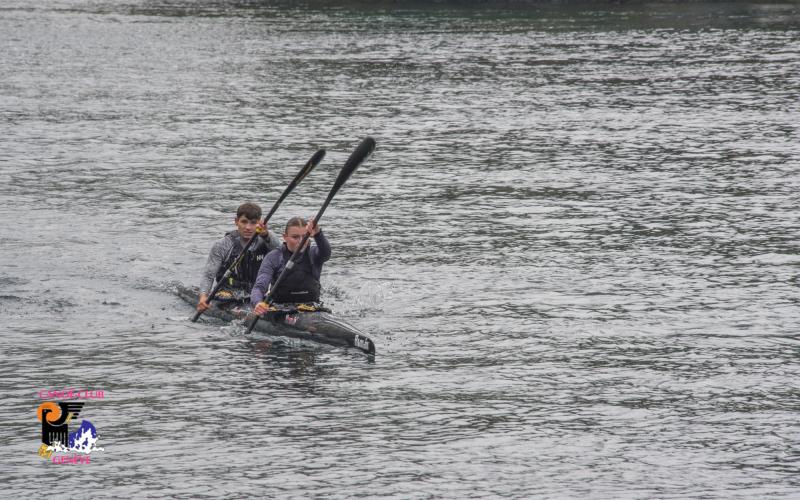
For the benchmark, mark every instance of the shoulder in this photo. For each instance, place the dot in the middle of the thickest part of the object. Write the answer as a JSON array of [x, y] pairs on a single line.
[[272, 240], [222, 244], [268, 239], [266, 242], [274, 256], [228, 238]]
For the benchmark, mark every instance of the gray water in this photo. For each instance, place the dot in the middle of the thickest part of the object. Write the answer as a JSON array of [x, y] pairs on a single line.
[[576, 248]]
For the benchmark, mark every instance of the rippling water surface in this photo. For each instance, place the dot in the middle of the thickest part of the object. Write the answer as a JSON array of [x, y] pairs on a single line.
[[576, 247]]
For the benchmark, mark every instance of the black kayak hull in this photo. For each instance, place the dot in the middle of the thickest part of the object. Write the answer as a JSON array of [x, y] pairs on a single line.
[[315, 326]]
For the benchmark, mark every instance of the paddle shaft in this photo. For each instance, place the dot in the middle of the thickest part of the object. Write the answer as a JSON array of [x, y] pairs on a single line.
[[307, 168]]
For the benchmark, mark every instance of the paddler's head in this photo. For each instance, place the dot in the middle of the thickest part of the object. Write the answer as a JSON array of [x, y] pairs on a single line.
[[248, 216], [294, 232]]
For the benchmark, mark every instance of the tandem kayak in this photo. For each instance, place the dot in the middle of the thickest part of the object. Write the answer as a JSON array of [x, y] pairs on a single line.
[[317, 326]]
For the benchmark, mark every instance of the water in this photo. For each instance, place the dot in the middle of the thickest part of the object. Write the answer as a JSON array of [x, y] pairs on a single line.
[[576, 247]]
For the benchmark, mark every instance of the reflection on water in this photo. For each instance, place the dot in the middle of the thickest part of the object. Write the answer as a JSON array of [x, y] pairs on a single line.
[[575, 245]]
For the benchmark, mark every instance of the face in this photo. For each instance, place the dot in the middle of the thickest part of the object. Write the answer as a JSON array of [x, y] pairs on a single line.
[[292, 237], [246, 227]]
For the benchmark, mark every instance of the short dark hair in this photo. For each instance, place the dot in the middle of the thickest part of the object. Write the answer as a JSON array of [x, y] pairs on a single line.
[[294, 222], [249, 210]]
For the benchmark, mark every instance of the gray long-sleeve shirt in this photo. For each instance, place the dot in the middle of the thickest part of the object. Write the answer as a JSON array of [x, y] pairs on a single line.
[[222, 250]]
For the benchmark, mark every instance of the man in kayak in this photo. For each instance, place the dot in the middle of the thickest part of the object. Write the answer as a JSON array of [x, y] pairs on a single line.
[[227, 249], [301, 285]]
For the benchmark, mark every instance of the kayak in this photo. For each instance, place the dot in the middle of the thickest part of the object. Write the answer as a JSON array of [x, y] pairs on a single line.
[[318, 326]]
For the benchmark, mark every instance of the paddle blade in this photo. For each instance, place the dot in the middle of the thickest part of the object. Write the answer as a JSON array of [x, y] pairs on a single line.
[[357, 157], [307, 168], [313, 162], [251, 323]]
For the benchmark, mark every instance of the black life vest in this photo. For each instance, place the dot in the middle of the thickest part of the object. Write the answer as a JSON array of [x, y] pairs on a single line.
[[299, 285], [244, 275]]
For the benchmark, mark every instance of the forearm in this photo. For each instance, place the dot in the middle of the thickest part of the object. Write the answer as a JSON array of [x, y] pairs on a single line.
[[323, 252], [256, 295], [210, 272], [262, 282]]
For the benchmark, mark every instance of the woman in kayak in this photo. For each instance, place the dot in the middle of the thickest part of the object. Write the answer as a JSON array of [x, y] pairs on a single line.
[[301, 285], [226, 250]]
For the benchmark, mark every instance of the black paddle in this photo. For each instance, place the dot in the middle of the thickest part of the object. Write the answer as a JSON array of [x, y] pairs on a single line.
[[307, 168], [357, 157]]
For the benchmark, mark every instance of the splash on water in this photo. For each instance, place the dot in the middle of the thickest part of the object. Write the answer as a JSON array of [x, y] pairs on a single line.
[[83, 440]]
